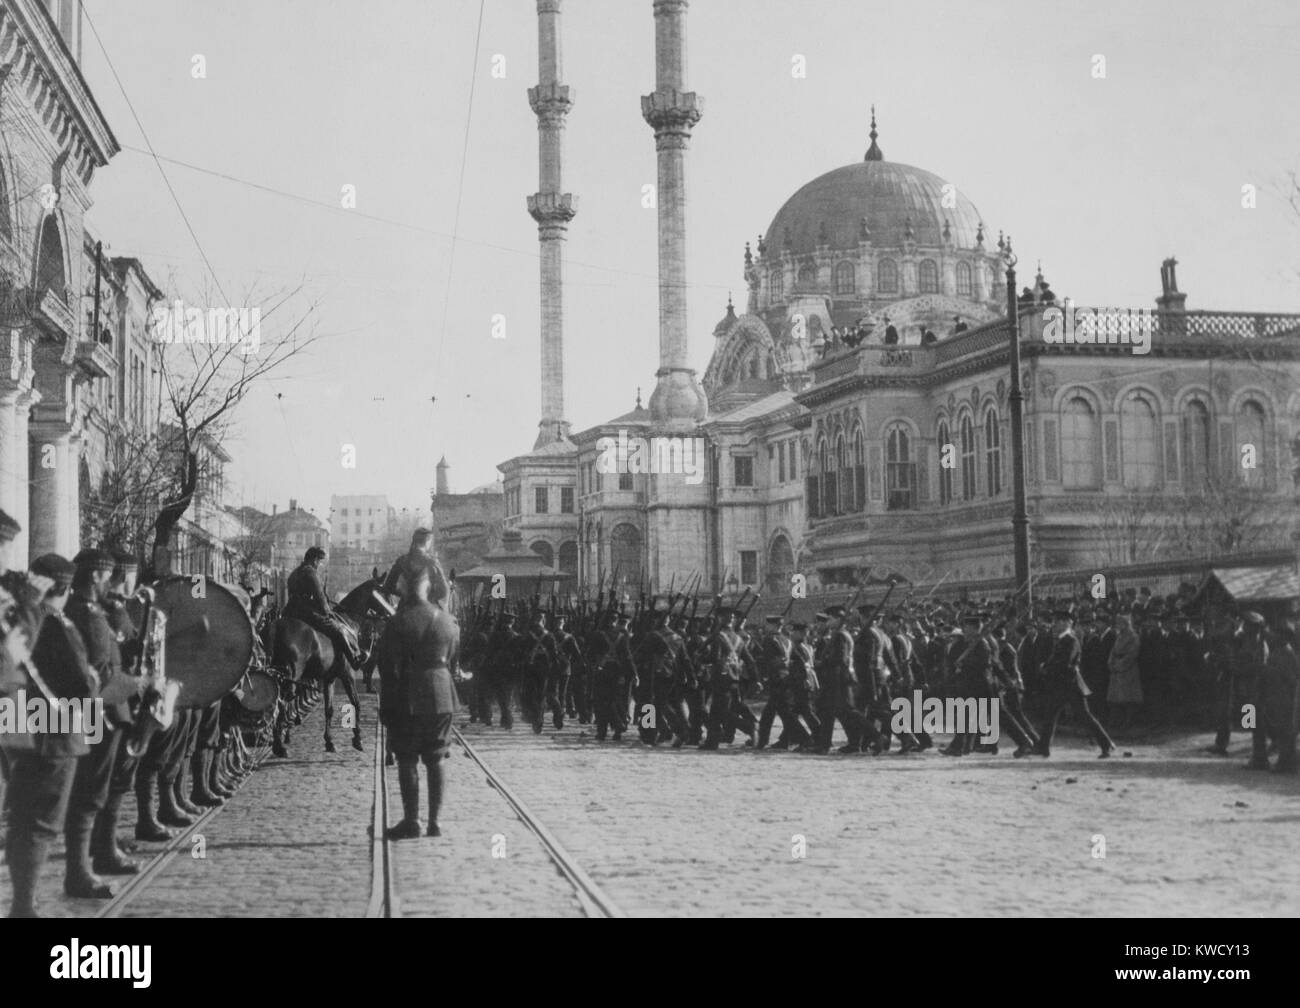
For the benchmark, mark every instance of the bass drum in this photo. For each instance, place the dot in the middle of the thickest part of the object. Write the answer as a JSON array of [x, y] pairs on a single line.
[[210, 639], [258, 692]]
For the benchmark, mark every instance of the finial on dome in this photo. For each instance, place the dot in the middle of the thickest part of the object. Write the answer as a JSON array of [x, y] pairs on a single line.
[[638, 397], [1002, 242], [1039, 277], [873, 152], [864, 232], [947, 230], [823, 236], [907, 231], [979, 235], [731, 308], [762, 246], [749, 256]]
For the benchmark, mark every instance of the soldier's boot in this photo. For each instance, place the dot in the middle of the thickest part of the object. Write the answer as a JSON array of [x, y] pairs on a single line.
[[181, 793], [170, 813], [220, 779], [25, 862], [79, 881], [408, 779], [107, 857], [435, 797], [201, 793], [147, 826]]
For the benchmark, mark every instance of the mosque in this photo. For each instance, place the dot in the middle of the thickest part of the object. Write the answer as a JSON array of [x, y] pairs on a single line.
[[855, 412]]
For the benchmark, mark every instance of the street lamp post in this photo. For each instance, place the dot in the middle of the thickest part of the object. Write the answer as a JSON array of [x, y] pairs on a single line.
[[1019, 515]]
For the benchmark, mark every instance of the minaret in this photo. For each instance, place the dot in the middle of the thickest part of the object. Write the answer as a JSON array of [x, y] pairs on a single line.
[[440, 484], [552, 209], [678, 400]]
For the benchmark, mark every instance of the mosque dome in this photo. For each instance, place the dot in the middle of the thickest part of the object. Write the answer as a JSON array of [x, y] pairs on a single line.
[[889, 196]]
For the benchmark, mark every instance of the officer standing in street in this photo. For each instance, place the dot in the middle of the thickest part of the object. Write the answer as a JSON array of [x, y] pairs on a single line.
[[1066, 687], [417, 660]]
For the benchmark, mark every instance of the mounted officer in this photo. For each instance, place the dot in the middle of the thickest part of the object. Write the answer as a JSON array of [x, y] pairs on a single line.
[[419, 556], [308, 604]]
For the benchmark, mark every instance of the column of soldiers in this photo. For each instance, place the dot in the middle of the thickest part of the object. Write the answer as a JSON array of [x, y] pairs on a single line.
[[686, 679], [70, 634]]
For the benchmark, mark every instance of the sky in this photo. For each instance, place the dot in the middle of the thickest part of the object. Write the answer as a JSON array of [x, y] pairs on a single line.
[[1100, 178]]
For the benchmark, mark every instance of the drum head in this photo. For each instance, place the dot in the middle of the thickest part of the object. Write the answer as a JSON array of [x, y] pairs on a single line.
[[261, 691], [209, 644]]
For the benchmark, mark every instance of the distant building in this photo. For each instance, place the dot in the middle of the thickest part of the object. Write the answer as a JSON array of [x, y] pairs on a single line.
[[465, 526]]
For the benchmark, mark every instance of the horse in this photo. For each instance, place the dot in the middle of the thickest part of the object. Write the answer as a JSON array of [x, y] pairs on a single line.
[[305, 657]]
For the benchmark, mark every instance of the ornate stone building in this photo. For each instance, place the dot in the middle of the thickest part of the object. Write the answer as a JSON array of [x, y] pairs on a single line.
[[855, 415]]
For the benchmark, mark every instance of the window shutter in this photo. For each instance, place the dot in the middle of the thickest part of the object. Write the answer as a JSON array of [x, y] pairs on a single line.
[[873, 472], [1171, 451], [923, 472], [1111, 437], [1051, 463]]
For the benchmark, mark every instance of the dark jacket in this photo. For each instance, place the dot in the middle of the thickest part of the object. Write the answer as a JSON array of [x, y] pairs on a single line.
[[60, 657], [417, 658]]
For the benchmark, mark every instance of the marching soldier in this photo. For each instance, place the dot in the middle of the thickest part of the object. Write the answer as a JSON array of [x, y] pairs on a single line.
[[417, 699], [572, 671], [499, 669], [1249, 663], [660, 668], [905, 676], [970, 660], [611, 662], [776, 657], [803, 688], [835, 673], [40, 780], [726, 668], [1065, 687], [696, 688]]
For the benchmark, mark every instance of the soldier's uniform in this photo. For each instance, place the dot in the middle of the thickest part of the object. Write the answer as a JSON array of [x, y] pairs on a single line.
[[90, 786], [611, 678], [774, 663], [970, 660], [1249, 664], [418, 654], [803, 686], [839, 682], [660, 670], [572, 672], [726, 668], [1066, 688], [539, 678], [408, 563], [40, 778], [307, 603], [498, 670]]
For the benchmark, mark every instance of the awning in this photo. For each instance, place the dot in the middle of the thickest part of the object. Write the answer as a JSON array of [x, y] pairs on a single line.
[[1259, 584]]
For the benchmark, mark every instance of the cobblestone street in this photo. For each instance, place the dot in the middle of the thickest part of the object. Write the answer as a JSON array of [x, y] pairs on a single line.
[[735, 832]]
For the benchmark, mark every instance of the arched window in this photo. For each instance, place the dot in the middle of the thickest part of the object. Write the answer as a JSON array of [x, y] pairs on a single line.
[[843, 477], [625, 554], [900, 471], [846, 278], [569, 557], [807, 276], [1079, 443], [50, 274], [945, 473], [887, 277], [964, 286], [928, 277], [780, 565], [543, 549], [776, 285], [1139, 443], [967, 458], [992, 453], [1250, 442], [859, 471], [1196, 444]]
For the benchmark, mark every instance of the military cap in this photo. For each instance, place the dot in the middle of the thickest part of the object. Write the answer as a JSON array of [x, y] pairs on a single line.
[[559, 617], [507, 618], [126, 561], [822, 617], [56, 568], [662, 606], [312, 553], [835, 611], [773, 620], [93, 559], [8, 528], [1250, 616], [972, 616], [866, 610], [796, 625]]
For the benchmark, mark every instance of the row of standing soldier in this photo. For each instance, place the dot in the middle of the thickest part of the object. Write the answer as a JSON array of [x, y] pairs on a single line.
[[74, 622], [677, 676]]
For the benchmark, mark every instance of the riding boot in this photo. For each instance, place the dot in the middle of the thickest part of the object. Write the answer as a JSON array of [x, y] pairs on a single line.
[[147, 826], [201, 793], [107, 858], [170, 812], [182, 800], [25, 860], [408, 779], [79, 881], [435, 797], [219, 780]]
